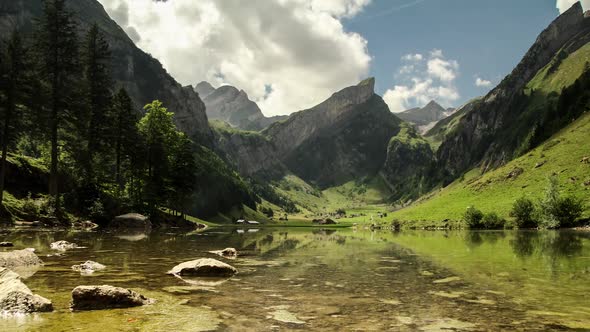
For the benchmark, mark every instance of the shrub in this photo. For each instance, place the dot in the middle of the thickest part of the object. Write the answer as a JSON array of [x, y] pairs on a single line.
[[523, 211], [96, 210], [492, 221], [30, 207], [547, 213], [473, 217], [568, 210]]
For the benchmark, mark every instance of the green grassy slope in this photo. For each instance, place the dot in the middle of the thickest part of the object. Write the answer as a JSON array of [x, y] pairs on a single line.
[[495, 191]]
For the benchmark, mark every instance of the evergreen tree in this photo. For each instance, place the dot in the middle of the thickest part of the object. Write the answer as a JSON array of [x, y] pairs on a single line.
[[125, 135], [15, 86], [57, 46], [182, 173], [97, 109]]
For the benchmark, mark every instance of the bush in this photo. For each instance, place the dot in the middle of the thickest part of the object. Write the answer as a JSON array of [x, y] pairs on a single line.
[[473, 217], [492, 221], [523, 211], [556, 211], [96, 210], [568, 210], [30, 207]]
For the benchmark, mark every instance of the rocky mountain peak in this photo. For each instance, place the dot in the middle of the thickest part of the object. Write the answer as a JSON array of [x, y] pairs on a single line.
[[204, 89]]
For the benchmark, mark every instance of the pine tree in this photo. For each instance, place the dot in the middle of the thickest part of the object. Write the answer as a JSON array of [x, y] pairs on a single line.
[[125, 134], [15, 87], [57, 46], [182, 173], [97, 109]]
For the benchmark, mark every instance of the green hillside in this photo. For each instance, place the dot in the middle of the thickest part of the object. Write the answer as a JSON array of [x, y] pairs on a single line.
[[497, 190]]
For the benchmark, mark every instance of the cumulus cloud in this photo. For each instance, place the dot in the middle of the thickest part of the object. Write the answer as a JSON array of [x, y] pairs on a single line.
[[424, 78], [482, 83], [564, 5], [286, 54]]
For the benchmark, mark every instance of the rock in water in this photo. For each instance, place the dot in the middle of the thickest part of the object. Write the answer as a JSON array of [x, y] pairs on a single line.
[[6, 244], [131, 221], [63, 245], [204, 267], [227, 253], [19, 258], [16, 297], [88, 267], [106, 297]]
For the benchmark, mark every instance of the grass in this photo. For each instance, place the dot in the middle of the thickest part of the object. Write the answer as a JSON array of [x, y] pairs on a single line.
[[495, 191]]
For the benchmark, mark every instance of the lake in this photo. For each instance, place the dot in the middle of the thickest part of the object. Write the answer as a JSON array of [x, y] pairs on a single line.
[[321, 279]]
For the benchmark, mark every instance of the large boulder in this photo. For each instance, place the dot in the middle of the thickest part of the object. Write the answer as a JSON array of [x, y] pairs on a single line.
[[19, 258], [131, 221], [16, 297], [204, 267], [88, 267], [106, 297]]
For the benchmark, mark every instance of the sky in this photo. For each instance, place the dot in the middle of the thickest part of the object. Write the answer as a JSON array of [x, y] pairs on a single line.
[[290, 55]]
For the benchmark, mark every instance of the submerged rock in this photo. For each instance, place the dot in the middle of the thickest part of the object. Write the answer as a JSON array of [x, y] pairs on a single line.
[[204, 267], [227, 253], [106, 297], [19, 258], [88, 267], [63, 245], [16, 297], [6, 244], [131, 221]]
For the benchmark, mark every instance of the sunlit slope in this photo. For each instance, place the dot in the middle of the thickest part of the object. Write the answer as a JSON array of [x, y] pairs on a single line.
[[496, 190]]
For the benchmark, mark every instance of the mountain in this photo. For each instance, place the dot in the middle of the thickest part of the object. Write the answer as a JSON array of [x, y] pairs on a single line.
[[432, 112], [533, 125], [342, 139], [143, 76], [233, 106], [511, 118]]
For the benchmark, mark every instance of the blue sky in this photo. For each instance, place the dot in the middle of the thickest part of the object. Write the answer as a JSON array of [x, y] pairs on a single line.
[[486, 38]]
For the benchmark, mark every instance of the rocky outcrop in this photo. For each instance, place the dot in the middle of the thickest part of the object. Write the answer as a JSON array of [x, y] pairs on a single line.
[[17, 298], [106, 297], [408, 163], [143, 76], [204, 267], [63, 245], [133, 221], [233, 106], [19, 258], [341, 139], [491, 132], [230, 253], [88, 267], [6, 244]]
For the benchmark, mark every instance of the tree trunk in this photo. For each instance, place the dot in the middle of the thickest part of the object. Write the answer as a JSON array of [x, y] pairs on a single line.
[[5, 139], [53, 181]]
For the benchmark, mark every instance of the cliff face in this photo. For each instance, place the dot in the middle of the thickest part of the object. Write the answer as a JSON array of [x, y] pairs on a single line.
[[233, 106], [143, 76], [249, 152], [491, 132], [341, 139], [408, 164]]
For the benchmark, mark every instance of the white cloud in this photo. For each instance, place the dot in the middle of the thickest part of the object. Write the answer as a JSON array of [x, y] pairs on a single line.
[[564, 5], [298, 48], [423, 80], [482, 83], [413, 57]]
